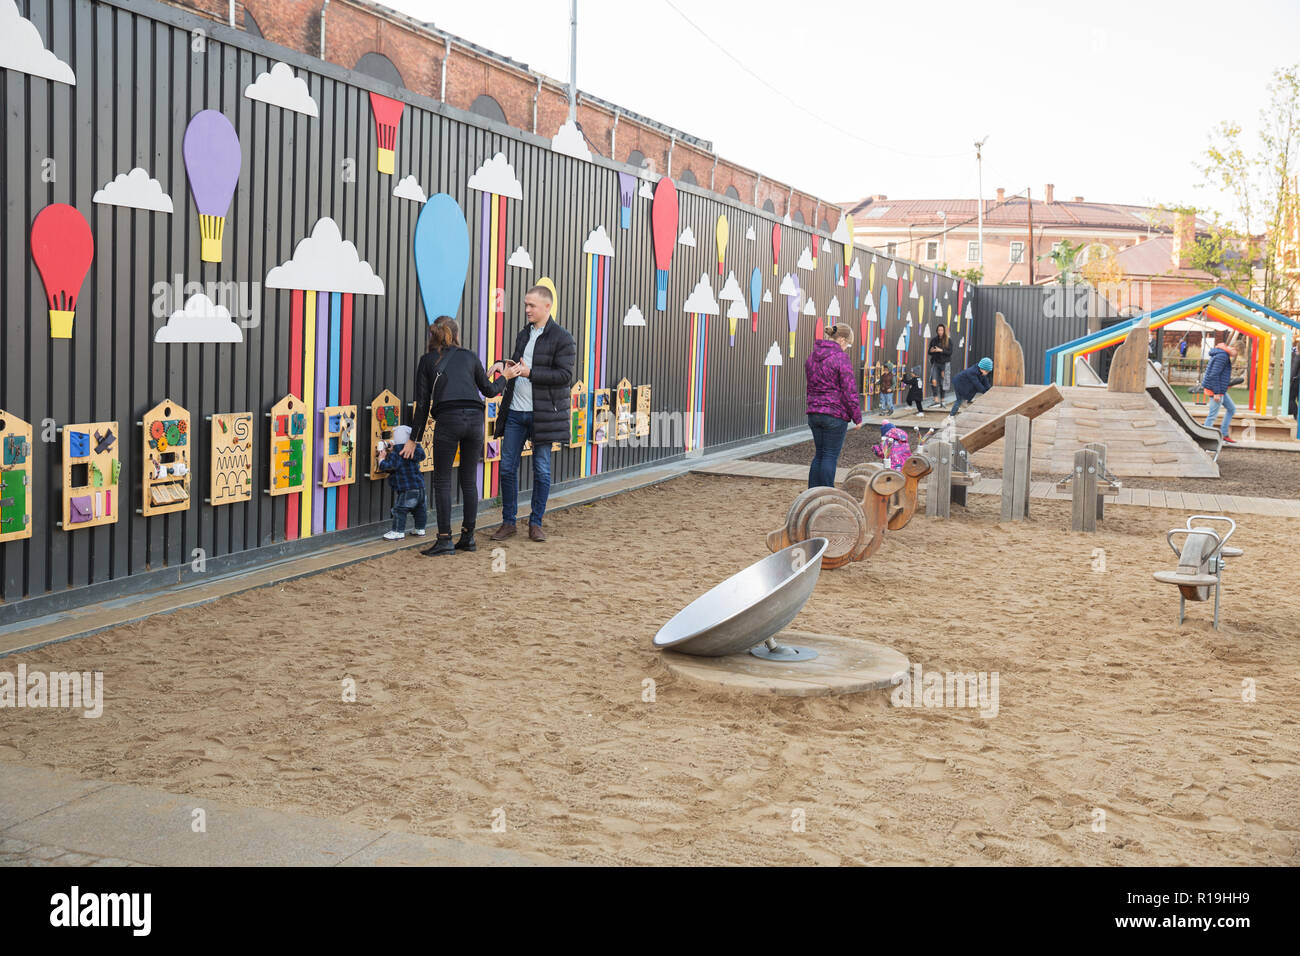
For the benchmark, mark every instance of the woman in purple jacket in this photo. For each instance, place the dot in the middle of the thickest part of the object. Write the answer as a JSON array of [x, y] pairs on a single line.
[[833, 402]]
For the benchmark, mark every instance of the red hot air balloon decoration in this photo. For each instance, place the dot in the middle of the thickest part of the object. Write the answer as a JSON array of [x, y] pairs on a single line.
[[388, 113], [62, 248], [663, 221], [212, 160], [776, 246]]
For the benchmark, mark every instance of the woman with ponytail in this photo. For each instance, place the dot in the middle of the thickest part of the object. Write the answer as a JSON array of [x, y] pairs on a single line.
[[450, 381]]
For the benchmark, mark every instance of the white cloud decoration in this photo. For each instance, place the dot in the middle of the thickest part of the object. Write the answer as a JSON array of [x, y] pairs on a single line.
[[805, 260], [647, 190], [598, 243], [701, 300], [833, 310], [136, 190], [687, 238], [570, 141], [520, 259], [809, 307], [855, 270], [634, 317], [737, 310], [788, 288], [767, 295], [773, 355], [731, 291], [22, 49], [280, 87], [201, 320], [750, 234], [841, 233], [409, 188], [325, 262], [497, 176]]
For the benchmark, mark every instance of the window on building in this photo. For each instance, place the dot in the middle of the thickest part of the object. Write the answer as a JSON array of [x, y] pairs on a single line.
[[973, 251], [825, 226], [636, 158], [1017, 252], [1015, 282], [931, 251], [250, 25], [891, 248], [797, 218], [687, 177], [769, 206], [731, 192], [486, 106], [380, 67]]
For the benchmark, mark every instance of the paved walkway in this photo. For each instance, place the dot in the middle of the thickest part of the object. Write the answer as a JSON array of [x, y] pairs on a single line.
[[1148, 498], [49, 818]]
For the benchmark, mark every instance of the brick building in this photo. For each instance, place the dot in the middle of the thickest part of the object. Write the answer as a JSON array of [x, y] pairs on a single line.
[[398, 49], [1151, 245]]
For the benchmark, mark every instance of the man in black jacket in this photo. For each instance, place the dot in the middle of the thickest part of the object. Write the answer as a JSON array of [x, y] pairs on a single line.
[[536, 406]]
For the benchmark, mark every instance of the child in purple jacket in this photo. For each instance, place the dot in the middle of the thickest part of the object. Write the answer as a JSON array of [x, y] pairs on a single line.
[[833, 402]]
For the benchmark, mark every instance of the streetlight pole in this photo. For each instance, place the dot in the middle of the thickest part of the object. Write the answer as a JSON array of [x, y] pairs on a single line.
[[573, 61], [979, 165]]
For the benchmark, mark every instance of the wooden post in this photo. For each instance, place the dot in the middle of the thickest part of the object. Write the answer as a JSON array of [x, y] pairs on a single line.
[[1016, 466], [1100, 449], [1083, 491], [938, 488], [960, 463]]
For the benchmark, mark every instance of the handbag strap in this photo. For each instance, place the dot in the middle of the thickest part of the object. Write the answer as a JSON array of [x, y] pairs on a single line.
[[437, 376]]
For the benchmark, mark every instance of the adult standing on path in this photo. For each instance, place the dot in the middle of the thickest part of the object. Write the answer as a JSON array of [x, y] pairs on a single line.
[[450, 382], [833, 402], [536, 405], [940, 356]]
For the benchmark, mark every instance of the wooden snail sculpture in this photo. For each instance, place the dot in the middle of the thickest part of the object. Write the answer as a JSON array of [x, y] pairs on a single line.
[[854, 517]]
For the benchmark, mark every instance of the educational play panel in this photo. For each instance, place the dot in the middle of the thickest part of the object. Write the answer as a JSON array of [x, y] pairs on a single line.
[[642, 410], [623, 411], [166, 465], [288, 434], [385, 415], [15, 478], [600, 416], [90, 474], [491, 446], [578, 415], [339, 434], [232, 458]]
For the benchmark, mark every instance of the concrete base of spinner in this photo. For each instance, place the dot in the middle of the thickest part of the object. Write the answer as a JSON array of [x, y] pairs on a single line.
[[843, 666]]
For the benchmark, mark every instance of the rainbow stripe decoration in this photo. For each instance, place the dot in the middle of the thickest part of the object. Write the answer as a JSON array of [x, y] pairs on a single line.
[[595, 338], [700, 304], [773, 365], [323, 274], [496, 180]]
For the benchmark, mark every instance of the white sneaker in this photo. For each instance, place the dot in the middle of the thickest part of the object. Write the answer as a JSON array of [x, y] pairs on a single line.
[[920, 414], [394, 536], [419, 533]]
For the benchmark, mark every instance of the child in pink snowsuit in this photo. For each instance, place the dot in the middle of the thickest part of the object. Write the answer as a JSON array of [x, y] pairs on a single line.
[[893, 447]]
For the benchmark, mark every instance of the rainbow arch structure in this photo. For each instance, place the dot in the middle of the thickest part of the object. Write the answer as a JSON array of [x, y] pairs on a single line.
[[1258, 323]]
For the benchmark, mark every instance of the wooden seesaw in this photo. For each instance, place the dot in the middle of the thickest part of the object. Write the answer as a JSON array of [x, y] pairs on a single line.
[[854, 517]]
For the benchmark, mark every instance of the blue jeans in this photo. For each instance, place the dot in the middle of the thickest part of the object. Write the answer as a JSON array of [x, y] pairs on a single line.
[[956, 403], [1213, 412], [519, 428], [828, 438], [409, 501], [887, 401]]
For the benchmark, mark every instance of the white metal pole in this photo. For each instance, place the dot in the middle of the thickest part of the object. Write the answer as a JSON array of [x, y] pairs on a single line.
[[573, 62], [979, 165]]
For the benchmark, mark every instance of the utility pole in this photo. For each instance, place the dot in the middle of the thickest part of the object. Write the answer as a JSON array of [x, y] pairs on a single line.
[[979, 165], [943, 214], [573, 62], [1029, 196]]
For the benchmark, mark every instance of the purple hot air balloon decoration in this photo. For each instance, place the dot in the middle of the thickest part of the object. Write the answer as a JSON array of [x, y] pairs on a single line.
[[626, 190], [212, 160], [792, 309]]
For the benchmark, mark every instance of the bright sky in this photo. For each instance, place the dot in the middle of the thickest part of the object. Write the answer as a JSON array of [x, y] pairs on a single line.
[[1109, 99]]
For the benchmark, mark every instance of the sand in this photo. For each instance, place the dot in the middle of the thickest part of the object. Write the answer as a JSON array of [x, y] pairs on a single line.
[[524, 690]]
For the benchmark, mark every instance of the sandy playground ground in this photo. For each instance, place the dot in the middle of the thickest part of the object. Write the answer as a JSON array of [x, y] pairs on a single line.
[[523, 690]]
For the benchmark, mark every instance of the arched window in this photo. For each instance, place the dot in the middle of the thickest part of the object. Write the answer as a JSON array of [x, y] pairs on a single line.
[[636, 158], [797, 218], [486, 106], [732, 193], [769, 207], [380, 67], [687, 177], [250, 25], [825, 226]]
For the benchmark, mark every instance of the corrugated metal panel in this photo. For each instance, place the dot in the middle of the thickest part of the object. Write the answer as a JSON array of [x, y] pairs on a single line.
[[140, 80], [1041, 316]]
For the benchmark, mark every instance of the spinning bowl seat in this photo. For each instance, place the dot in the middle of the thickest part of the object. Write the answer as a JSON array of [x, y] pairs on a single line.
[[748, 607]]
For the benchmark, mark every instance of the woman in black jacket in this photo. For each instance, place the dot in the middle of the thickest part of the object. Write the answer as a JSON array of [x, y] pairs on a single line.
[[451, 381], [940, 356]]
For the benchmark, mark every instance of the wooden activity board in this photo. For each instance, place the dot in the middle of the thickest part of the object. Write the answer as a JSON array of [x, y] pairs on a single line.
[[288, 446], [165, 469], [385, 415], [642, 411], [339, 436], [91, 469], [15, 477], [600, 416], [232, 458], [491, 446], [578, 415], [623, 411]]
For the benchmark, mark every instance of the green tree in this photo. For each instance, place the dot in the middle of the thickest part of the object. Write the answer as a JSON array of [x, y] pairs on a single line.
[[1244, 249], [1064, 255]]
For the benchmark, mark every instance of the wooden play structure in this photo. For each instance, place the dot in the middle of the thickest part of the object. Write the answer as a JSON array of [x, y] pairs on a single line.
[[339, 434], [166, 463], [1090, 484], [642, 411], [15, 478], [854, 517], [288, 440], [231, 465], [578, 415], [623, 411], [1201, 561], [385, 415], [91, 469], [600, 416]]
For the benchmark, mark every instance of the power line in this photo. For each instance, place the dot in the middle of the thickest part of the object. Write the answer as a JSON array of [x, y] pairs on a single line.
[[799, 106]]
